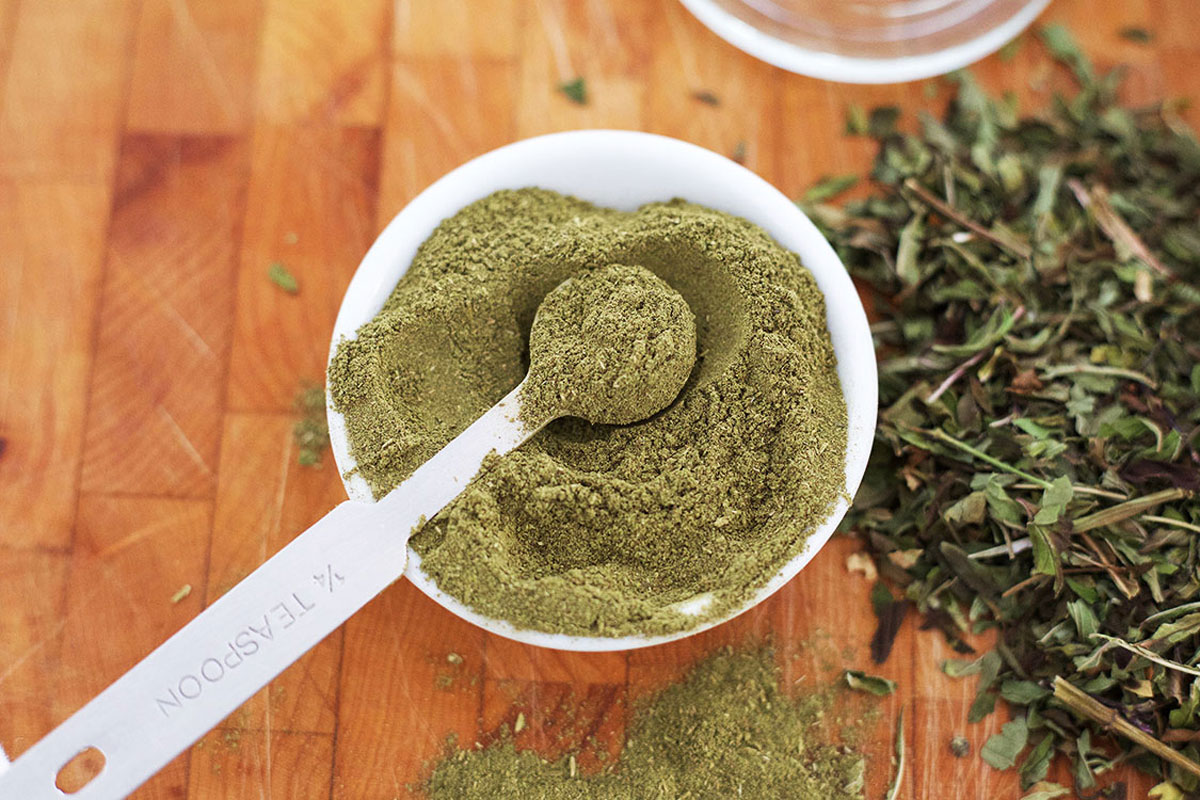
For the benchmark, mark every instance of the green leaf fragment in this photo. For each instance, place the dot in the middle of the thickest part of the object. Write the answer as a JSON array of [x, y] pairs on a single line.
[[856, 120], [1137, 35], [872, 684], [1002, 749], [575, 90], [1046, 791], [830, 187], [281, 277], [1035, 766]]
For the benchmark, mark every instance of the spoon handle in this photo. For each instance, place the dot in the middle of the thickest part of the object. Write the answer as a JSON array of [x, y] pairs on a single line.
[[257, 629]]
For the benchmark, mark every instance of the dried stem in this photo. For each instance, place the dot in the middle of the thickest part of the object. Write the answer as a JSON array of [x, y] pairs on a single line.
[[938, 433], [954, 376], [1080, 490], [1089, 707], [1130, 508], [1050, 373], [1148, 654], [1020, 249], [1175, 523], [1115, 226]]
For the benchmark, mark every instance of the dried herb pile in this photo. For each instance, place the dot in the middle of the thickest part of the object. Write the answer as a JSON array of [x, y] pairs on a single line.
[[1039, 336], [726, 731]]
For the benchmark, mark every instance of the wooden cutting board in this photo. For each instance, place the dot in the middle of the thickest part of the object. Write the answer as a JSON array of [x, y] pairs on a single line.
[[157, 155]]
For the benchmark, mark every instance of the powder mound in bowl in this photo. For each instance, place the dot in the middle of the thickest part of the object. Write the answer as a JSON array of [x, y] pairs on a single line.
[[598, 529], [614, 345]]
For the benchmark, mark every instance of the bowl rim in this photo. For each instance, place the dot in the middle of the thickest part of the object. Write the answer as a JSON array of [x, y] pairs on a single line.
[[852, 69], [587, 150]]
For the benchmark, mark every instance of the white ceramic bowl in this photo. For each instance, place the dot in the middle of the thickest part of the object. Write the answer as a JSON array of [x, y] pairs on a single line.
[[622, 169]]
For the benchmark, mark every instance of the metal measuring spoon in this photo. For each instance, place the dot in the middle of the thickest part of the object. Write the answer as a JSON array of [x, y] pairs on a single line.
[[305, 591]]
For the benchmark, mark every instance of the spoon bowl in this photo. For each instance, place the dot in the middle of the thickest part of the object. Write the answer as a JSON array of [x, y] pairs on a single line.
[[623, 170]]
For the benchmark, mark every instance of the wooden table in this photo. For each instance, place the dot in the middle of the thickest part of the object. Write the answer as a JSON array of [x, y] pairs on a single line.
[[157, 155]]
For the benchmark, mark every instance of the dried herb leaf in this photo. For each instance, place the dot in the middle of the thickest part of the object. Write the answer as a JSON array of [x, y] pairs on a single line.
[[856, 120], [575, 90], [830, 187], [1046, 791], [890, 614], [1035, 766], [1138, 35], [872, 684], [1001, 749], [281, 277]]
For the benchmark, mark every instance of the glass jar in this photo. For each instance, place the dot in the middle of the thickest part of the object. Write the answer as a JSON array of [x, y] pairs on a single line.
[[867, 41]]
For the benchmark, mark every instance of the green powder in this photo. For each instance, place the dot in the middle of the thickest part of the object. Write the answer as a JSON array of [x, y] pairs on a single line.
[[613, 345], [595, 529], [726, 731]]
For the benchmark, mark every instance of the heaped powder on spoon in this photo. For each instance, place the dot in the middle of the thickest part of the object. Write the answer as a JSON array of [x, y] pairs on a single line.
[[597, 529], [613, 345]]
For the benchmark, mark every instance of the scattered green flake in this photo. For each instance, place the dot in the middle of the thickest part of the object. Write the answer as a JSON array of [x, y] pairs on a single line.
[[1136, 34], [183, 592], [726, 730], [739, 152], [1009, 51], [863, 682], [960, 747], [856, 120], [311, 430], [575, 90], [280, 276], [829, 187], [882, 120]]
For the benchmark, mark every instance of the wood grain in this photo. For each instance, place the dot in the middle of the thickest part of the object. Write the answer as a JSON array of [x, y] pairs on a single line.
[[411, 677], [49, 282], [156, 156], [311, 207], [681, 63], [425, 136], [32, 597], [65, 88], [194, 67], [162, 347], [606, 42], [323, 62]]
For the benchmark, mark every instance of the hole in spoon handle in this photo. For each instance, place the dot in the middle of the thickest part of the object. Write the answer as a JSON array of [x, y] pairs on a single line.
[[81, 770]]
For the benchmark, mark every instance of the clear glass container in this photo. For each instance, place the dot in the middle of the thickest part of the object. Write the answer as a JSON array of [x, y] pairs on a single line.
[[867, 41]]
